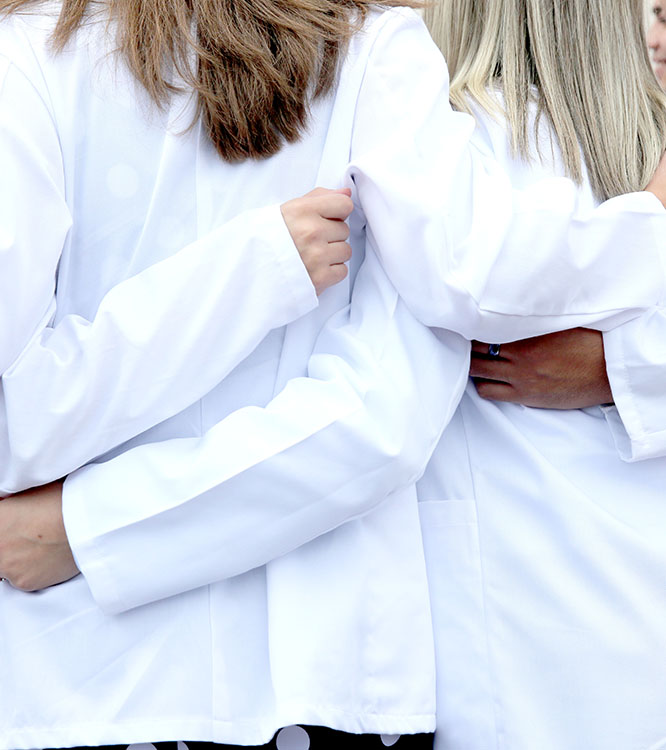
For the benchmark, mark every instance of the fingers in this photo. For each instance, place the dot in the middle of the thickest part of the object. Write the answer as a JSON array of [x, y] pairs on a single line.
[[492, 374], [494, 391], [325, 191], [338, 252], [330, 204], [328, 275], [482, 349], [490, 369], [479, 347], [317, 227], [311, 232], [319, 217], [333, 205], [338, 272], [334, 230], [331, 269]]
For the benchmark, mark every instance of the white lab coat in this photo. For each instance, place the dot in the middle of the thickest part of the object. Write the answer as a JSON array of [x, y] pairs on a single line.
[[546, 555], [178, 359], [636, 362]]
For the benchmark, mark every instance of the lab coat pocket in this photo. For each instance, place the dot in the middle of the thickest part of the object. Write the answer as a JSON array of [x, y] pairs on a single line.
[[465, 702]]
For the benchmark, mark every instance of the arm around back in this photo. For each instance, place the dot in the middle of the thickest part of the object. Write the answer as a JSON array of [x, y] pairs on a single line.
[[330, 447], [466, 250]]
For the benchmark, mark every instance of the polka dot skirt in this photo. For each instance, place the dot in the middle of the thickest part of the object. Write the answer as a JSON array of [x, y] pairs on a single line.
[[299, 738]]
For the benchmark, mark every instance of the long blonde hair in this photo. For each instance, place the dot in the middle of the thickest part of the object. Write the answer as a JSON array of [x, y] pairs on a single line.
[[583, 61], [254, 65]]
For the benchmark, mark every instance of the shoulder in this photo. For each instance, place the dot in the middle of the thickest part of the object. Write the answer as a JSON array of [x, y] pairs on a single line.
[[24, 35], [60, 80], [24, 49], [395, 45], [25, 41], [491, 130], [401, 30], [399, 27], [492, 136], [385, 20]]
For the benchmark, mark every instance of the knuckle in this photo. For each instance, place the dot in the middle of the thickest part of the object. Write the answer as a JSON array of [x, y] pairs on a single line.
[[292, 208], [315, 272], [482, 390], [342, 206], [333, 275], [328, 230], [330, 253], [318, 280], [339, 272], [319, 254], [16, 577], [312, 232], [23, 583]]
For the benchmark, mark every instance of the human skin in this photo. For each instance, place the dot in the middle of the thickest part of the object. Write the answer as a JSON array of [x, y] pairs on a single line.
[[656, 40], [34, 552], [563, 370]]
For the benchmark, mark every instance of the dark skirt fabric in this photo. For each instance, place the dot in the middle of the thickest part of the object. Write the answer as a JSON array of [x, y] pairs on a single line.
[[298, 738]]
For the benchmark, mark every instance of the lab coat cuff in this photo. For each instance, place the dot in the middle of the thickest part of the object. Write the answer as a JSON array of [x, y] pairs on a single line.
[[633, 440], [95, 567], [645, 202], [299, 291], [632, 448]]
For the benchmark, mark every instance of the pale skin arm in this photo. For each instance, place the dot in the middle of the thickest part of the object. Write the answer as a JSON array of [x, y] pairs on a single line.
[[34, 551], [564, 370]]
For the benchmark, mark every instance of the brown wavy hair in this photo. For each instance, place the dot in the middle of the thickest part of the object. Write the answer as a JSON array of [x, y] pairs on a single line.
[[254, 65]]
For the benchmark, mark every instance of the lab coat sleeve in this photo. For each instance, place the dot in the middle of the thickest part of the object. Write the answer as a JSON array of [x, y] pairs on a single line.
[[158, 341], [34, 218], [167, 517], [636, 365], [158, 334], [467, 251]]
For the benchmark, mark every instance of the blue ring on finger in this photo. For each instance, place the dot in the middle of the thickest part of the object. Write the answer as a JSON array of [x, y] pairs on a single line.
[[494, 350]]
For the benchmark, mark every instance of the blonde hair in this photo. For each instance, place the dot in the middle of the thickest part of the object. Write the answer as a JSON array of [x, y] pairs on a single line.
[[254, 65], [584, 63]]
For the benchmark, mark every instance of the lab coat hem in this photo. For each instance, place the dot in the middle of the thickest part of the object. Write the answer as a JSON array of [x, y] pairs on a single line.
[[250, 731]]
